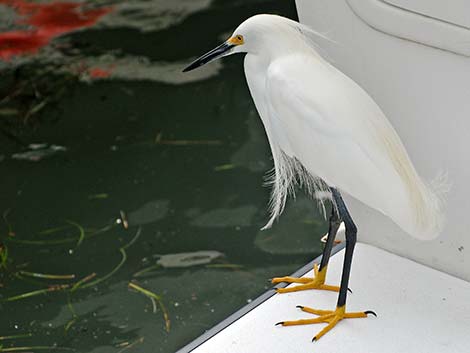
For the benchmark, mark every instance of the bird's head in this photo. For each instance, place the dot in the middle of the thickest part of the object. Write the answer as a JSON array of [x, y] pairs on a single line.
[[260, 33]]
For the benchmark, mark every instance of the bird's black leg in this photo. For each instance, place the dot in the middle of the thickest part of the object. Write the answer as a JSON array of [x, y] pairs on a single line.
[[318, 281], [351, 236], [332, 317], [334, 224]]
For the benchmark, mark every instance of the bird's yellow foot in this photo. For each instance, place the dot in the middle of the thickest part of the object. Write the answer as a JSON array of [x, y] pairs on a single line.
[[330, 317], [316, 282]]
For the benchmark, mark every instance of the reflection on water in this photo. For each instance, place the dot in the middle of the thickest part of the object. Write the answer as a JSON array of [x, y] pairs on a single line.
[[148, 213], [150, 16], [157, 169], [139, 68], [35, 25], [225, 217]]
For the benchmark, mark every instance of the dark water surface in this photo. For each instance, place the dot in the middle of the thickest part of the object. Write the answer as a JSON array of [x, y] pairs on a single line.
[[178, 160]]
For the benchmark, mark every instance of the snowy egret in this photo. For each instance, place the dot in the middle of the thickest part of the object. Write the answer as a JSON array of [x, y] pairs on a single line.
[[328, 135]]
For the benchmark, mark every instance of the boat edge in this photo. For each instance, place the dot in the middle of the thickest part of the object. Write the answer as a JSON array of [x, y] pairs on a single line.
[[252, 305]]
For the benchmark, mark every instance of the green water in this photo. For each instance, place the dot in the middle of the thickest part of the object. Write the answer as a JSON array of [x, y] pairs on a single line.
[[182, 158]]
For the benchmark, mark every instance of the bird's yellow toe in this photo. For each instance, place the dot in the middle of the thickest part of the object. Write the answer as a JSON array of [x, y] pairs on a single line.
[[329, 317], [316, 282]]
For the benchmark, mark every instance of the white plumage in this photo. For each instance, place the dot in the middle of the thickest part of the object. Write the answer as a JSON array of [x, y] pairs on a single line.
[[325, 129], [328, 135]]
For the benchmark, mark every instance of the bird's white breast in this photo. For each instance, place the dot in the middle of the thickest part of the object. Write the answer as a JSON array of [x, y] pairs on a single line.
[[256, 69]]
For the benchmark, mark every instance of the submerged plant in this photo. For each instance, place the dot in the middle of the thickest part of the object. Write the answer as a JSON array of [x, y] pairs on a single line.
[[155, 299], [3, 256]]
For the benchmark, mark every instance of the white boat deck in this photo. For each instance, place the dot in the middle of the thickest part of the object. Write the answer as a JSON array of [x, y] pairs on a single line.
[[419, 310]]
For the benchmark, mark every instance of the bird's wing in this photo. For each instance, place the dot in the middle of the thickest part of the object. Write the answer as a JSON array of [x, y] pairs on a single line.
[[325, 121], [339, 133]]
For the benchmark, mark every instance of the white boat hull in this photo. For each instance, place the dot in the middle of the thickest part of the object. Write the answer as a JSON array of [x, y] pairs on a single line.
[[417, 68]]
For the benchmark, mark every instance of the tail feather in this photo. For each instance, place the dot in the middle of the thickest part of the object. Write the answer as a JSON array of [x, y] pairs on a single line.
[[424, 218], [429, 207]]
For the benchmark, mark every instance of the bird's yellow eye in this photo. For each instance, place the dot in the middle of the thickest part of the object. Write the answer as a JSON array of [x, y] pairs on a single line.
[[236, 40]]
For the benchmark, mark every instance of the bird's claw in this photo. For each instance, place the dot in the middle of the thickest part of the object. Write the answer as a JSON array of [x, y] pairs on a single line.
[[367, 312], [330, 317]]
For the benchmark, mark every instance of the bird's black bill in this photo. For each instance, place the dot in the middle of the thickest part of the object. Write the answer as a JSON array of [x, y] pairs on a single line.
[[215, 53]]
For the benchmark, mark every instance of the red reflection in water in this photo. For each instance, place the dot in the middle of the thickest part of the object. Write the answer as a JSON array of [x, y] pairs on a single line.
[[20, 42], [49, 21], [97, 72]]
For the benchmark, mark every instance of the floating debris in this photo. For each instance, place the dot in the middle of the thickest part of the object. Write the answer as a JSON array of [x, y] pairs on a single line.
[[188, 259], [72, 311], [98, 196], [128, 345], [72, 286], [81, 235], [45, 275], [38, 154], [36, 108], [158, 299], [154, 305], [42, 242], [53, 230], [123, 219], [82, 281], [160, 141], [35, 293], [222, 167], [70, 324], [14, 337], [37, 146]]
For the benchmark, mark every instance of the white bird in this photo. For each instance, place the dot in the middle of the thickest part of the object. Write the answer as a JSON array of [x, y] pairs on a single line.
[[327, 134]]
